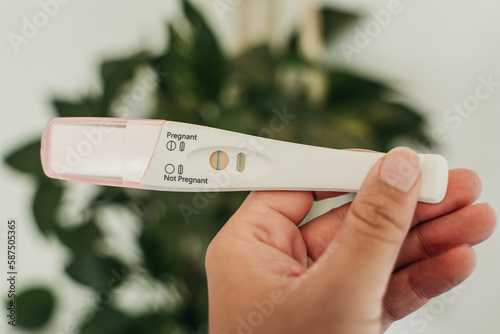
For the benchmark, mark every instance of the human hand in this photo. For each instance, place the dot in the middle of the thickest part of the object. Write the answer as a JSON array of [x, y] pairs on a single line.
[[356, 268]]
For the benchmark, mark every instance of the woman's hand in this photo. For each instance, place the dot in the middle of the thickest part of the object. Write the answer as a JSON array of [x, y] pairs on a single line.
[[354, 269]]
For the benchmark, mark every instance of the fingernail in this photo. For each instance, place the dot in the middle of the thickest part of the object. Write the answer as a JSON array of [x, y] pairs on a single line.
[[400, 168]]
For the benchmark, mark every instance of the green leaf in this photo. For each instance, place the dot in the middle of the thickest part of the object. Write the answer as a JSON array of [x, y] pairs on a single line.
[[391, 120], [86, 107], [99, 273], [26, 159], [34, 307], [292, 45], [207, 59], [257, 65], [115, 73], [350, 88], [81, 238], [195, 63], [181, 85], [47, 200], [334, 20], [255, 74], [109, 321], [71, 109], [154, 253], [113, 195]]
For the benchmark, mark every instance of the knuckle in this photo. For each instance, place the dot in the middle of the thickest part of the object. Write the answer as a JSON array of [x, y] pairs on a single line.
[[417, 290], [424, 245], [388, 315], [380, 217]]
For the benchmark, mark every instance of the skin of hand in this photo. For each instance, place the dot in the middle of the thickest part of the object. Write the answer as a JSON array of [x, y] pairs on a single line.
[[354, 269]]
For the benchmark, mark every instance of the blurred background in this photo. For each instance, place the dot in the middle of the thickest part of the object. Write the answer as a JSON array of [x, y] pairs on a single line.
[[370, 74]]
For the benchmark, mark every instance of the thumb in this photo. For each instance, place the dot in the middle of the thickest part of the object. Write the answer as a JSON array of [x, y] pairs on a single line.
[[362, 254]]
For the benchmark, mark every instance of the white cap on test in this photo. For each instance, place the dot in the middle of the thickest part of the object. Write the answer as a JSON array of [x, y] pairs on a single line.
[[107, 151]]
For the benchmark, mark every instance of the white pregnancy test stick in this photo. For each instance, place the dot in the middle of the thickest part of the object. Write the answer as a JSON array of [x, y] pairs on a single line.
[[172, 156]]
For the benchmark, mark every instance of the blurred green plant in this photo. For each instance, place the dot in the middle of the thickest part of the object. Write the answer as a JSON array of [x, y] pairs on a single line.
[[194, 81]]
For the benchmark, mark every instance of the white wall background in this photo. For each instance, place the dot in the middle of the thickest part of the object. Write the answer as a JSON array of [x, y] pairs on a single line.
[[433, 51]]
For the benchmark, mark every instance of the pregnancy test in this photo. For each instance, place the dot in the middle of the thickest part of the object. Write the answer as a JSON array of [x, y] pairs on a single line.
[[173, 156]]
